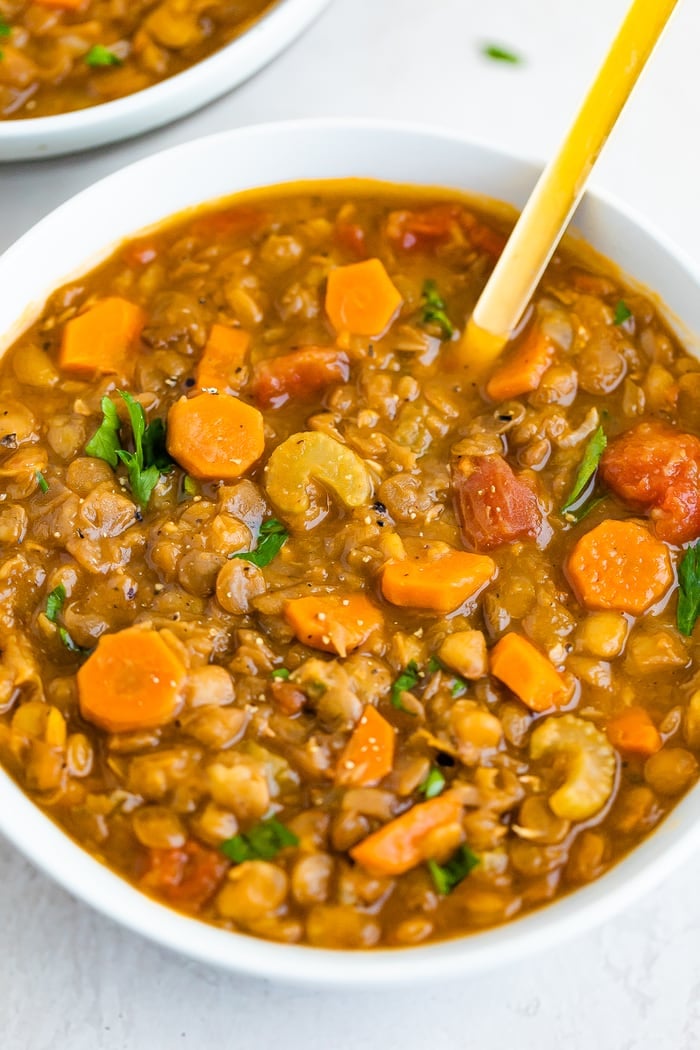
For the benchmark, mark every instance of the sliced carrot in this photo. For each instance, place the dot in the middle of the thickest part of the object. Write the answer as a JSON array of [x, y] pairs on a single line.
[[333, 624], [441, 584], [521, 370], [299, 375], [632, 730], [221, 366], [404, 843], [619, 565], [528, 673], [369, 753], [131, 681], [215, 436], [100, 340], [361, 299]]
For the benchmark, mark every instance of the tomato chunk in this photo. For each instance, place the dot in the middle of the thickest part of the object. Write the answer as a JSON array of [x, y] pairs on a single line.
[[426, 228], [188, 876], [300, 374], [494, 506], [656, 469]]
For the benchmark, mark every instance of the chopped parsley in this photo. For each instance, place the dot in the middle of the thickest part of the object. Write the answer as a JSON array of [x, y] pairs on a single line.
[[281, 674], [622, 313], [406, 681], [446, 876], [148, 460], [99, 55], [434, 309], [589, 465], [458, 684], [189, 486], [42, 482], [433, 784], [54, 604], [501, 54], [263, 842], [271, 539], [689, 590], [5, 27]]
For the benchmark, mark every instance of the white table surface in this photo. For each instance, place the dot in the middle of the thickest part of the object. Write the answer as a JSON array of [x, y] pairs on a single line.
[[69, 979]]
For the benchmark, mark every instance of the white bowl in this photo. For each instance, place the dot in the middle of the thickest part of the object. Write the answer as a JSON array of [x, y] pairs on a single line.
[[85, 229], [82, 129]]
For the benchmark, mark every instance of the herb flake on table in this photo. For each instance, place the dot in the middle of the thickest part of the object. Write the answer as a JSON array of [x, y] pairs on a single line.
[[263, 842], [589, 465], [446, 876], [271, 539], [99, 55], [688, 590], [435, 309], [501, 54]]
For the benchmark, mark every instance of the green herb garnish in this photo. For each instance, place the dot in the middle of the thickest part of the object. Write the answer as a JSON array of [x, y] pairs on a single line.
[[5, 27], [189, 485], [622, 313], [434, 309], [406, 681], [281, 673], [70, 644], [54, 602], [688, 590], [262, 842], [42, 482], [104, 443], [433, 784], [99, 55], [501, 54], [446, 876], [271, 539], [589, 464], [458, 684]]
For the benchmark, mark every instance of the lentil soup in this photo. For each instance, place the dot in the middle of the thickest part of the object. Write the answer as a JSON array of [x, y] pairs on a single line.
[[305, 631], [62, 55]]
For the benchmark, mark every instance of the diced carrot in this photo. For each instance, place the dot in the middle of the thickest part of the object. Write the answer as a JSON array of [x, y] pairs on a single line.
[[221, 366], [441, 584], [523, 367], [369, 753], [361, 299], [619, 565], [187, 875], [68, 5], [494, 505], [215, 436], [100, 340], [633, 731], [333, 624], [131, 681], [299, 375], [404, 843], [528, 673]]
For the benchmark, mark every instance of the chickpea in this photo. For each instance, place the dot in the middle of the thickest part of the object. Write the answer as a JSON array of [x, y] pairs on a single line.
[[311, 877], [237, 584], [209, 686], [341, 926], [253, 891], [158, 828], [602, 634], [671, 770]]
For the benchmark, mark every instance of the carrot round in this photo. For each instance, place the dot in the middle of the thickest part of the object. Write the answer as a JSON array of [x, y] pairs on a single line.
[[333, 624], [441, 584], [404, 843], [619, 565], [521, 370], [215, 436], [361, 299], [633, 731], [221, 366], [131, 681], [528, 673], [369, 753], [100, 340]]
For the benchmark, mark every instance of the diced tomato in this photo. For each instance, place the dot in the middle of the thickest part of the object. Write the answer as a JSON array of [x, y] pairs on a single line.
[[351, 236], [287, 696], [188, 876], [656, 469], [422, 229], [300, 374], [242, 218], [483, 237], [139, 253], [494, 506]]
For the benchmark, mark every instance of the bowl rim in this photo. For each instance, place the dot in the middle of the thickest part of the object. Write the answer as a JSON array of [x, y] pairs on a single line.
[[169, 99], [83, 876]]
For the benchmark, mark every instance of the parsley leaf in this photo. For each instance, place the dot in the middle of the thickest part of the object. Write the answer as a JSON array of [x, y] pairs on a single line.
[[622, 313], [271, 539], [446, 876], [688, 590], [99, 55], [458, 684], [433, 784], [501, 54], [41, 481], [403, 684], [104, 443], [263, 842], [434, 665], [434, 309], [281, 673], [70, 644], [589, 464], [189, 486], [5, 27], [54, 602]]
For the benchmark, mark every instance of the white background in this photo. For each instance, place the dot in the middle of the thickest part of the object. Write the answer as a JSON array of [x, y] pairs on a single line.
[[70, 980]]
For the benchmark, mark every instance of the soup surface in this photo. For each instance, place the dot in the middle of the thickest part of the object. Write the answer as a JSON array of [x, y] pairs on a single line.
[[62, 55], [308, 630]]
